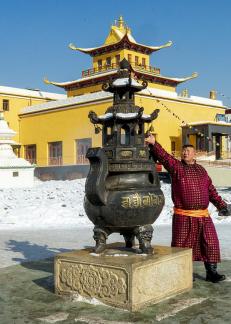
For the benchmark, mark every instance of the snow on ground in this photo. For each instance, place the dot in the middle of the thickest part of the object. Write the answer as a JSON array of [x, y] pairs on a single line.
[[47, 204], [39, 222], [55, 204]]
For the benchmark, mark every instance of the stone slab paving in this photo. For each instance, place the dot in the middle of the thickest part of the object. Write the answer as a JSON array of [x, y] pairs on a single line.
[[26, 296]]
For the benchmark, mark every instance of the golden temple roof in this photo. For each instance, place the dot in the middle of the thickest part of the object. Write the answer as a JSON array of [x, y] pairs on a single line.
[[68, 84], [118, 35]]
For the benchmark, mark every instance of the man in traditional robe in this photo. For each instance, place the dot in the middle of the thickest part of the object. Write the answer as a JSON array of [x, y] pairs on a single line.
[[192, 190]]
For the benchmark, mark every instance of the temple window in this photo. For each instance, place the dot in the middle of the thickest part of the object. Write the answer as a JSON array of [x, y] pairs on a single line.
[[5, 105], [220, 118], [82, 145], [30, 153], [55, 153], [143, 61], [108, 61], [117, 58], [129, 58], [125, 135], [100, 64], [136, 60]]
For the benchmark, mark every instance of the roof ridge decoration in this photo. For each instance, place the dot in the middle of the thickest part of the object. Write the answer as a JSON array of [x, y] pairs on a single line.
[[91, 51], [119, 33], [126, 38], [178, 80], [192, 76], [46, 81]]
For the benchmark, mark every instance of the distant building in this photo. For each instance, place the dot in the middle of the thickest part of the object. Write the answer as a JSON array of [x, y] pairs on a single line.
[[59, 132], [12, 100]]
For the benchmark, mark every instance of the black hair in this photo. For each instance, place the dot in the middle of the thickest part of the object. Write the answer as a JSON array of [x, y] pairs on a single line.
[[187, 145]]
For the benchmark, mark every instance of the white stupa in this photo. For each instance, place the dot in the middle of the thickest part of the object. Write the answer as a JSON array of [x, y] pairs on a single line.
[[14, 171]]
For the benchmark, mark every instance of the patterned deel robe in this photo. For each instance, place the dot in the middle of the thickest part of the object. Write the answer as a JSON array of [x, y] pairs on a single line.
[[192, 189]]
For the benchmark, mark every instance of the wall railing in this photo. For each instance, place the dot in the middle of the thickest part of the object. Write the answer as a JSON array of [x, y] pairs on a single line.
[[55, 160], [81, 159], [115, 66]]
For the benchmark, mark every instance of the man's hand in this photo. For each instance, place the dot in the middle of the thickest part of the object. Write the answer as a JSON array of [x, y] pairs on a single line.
[[226, 211], [150, 139]]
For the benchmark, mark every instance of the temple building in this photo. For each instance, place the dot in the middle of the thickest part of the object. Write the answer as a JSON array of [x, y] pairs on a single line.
[[13, 100], [59, 132]]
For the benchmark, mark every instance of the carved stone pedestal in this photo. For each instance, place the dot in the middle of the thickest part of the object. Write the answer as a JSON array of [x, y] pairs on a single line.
[[121, 278]]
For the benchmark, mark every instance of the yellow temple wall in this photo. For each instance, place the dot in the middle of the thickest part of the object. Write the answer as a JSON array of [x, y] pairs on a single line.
[[16, 103], [63, 125], [72, 124], [84, 90], [123, 54], [104, 56], [161, 87], [126, 52]]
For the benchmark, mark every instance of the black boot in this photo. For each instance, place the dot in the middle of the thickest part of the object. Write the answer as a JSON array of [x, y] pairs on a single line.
[[212, 274]]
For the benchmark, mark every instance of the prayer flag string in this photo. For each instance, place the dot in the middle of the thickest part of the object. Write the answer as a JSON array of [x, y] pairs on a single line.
[[183, 122]]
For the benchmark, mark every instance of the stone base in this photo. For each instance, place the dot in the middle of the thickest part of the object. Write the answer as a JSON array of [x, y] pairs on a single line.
[[119, 277]]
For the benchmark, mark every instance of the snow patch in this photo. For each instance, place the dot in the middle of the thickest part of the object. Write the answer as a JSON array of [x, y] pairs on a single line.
[[92, 301], [179, 306], [54, 318], [117, 255], [94, 254], [87, 320]]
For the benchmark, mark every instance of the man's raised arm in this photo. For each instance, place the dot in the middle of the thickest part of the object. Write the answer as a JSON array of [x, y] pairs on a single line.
[[169, 162]]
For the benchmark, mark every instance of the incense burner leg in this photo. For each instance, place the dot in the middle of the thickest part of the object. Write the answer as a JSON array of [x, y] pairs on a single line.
[[144, 236], [100, 236], [129, 238]]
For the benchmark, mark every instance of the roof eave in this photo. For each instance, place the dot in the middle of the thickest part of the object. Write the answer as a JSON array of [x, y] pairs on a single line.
[[109, 47], [161, 77]]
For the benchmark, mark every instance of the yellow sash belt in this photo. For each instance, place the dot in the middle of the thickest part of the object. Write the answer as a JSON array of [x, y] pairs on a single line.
[[192, 213]]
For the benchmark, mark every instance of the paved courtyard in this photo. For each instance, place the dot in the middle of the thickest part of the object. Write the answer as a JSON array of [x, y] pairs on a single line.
[[27, 289]]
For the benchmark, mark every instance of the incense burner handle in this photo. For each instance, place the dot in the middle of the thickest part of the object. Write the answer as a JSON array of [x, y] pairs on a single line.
[[95, 189]]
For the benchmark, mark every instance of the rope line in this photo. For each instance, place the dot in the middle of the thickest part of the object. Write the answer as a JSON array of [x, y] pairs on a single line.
[[173, 114]]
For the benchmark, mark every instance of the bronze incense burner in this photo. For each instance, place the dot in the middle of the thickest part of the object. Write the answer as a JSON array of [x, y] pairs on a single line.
[[122, 191]]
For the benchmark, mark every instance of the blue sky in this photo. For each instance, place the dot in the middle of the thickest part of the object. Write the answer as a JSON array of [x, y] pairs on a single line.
[[35, 37]]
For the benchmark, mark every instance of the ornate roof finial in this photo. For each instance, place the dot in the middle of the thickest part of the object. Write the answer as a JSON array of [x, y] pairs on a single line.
[[121, 22]]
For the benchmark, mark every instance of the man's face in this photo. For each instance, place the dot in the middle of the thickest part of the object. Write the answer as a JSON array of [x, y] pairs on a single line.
[[188, 155]]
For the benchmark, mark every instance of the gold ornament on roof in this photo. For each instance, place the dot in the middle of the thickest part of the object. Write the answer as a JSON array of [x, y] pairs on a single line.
[[194, 75], [121, 22], [45, 80]]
